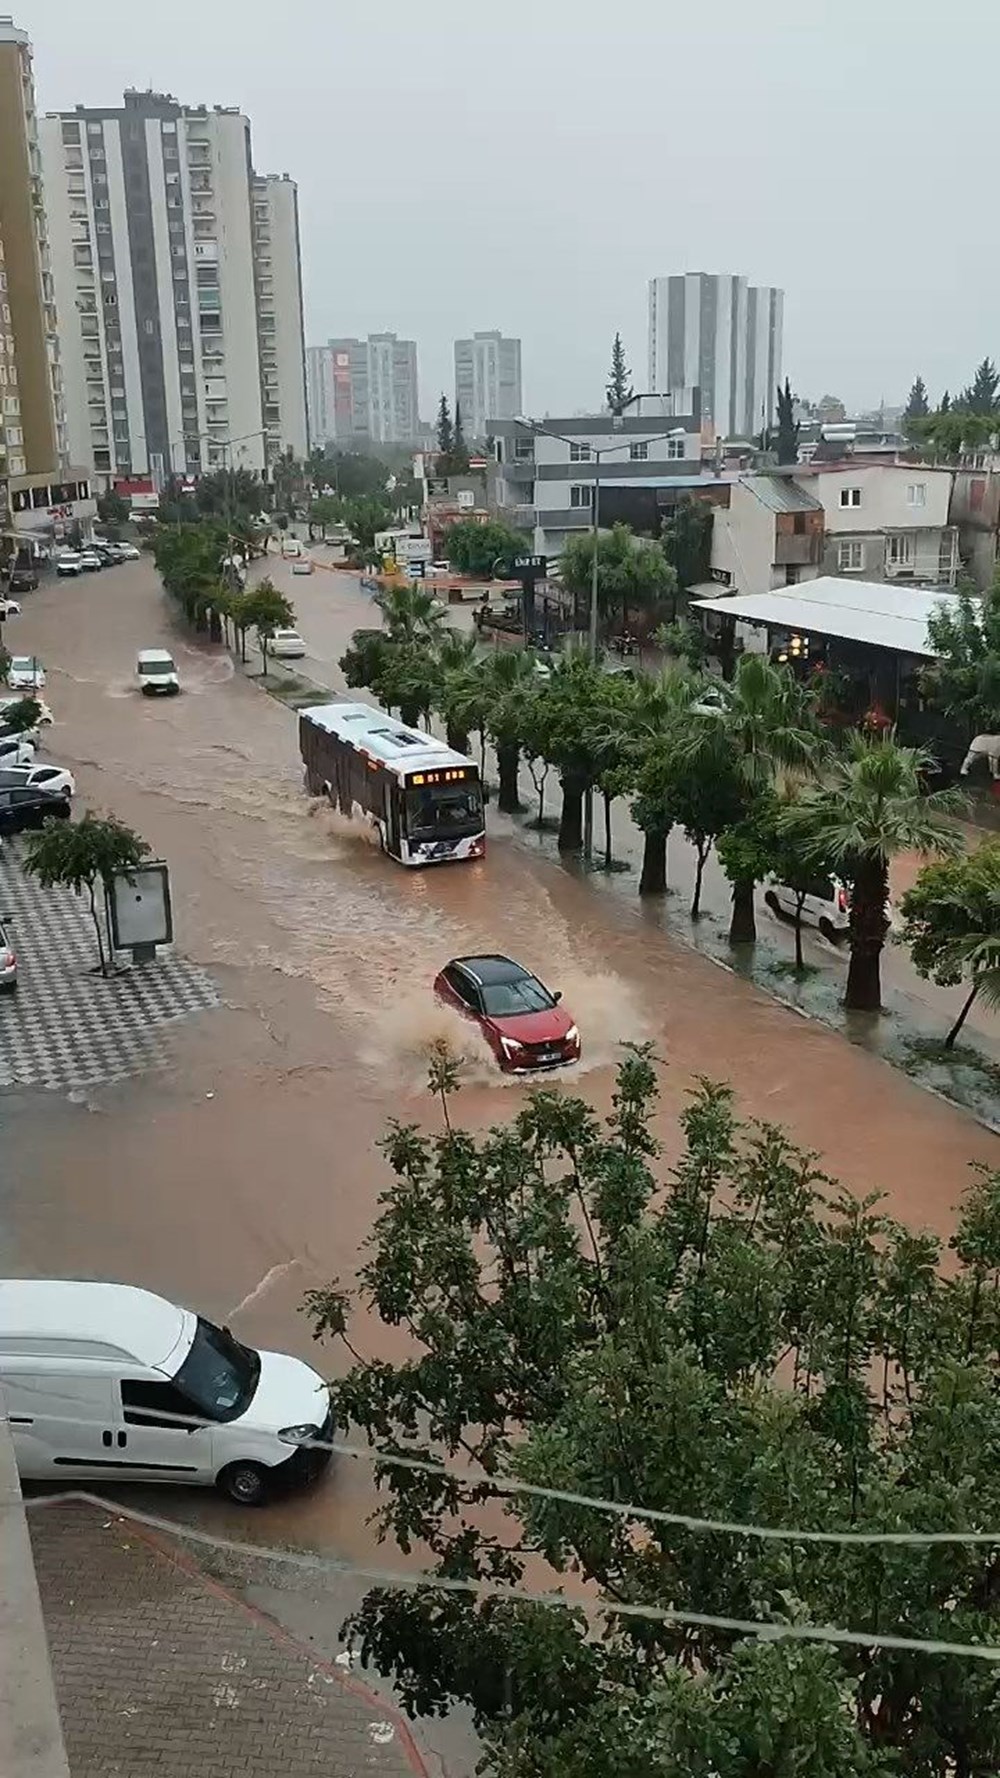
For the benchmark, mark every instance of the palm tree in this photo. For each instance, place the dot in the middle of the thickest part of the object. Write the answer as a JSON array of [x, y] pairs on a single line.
[[770, 722], [660, 715], [460, 697], [411, 613], [868, 809], [510, 681]]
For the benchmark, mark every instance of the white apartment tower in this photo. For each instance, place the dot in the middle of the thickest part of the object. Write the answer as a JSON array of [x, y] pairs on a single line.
[[319, 394], [723, 336], [164, 292], [371, 390], [487, 381], [278, 267]]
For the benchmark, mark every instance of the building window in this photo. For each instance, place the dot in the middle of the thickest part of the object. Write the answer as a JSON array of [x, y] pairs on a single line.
[[71, 132], [850, 496], [580, 494], [675, 449], [899, 550], [916, 494], [850, 556], [579, 453], [638, 453], [14, 435], [16, 465]]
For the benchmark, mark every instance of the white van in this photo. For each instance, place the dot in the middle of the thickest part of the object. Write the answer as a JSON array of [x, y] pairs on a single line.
[[155, 672], [826, 905], [102, 1380], [291, 548]]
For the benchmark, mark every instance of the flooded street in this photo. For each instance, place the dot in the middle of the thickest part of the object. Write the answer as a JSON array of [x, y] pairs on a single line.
[[247, 1171]]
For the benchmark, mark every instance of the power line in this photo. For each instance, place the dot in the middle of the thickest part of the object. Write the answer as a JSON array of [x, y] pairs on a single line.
[[663, 1614], [510, 1485]]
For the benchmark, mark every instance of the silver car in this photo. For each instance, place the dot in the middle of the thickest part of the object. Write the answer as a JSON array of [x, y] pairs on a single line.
[[8, 961]]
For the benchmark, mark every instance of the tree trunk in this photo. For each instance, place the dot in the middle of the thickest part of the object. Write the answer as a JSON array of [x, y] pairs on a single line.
[[608, 860], [508, 759], [868, 929], [702, 853], [457, 738], [263, 656], [653, 879], [571, 819], [97, 928], [409, 715], [799, 960], [963, 1015], [743, 925], [214, 626]]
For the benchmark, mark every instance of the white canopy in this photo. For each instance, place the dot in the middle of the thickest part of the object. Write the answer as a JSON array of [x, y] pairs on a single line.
[[882, 613]]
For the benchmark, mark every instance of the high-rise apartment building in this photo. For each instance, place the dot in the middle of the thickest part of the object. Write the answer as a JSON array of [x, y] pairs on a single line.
[[723, 336], [163, 255], [319, 394], [367, 390], [32, 421], [487, 381], [278, 267]]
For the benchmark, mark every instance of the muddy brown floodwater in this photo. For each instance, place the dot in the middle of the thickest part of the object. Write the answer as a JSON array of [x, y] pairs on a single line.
[[248, 1170]]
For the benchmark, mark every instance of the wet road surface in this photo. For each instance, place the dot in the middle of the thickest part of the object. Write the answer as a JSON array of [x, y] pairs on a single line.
[[248, 1170]]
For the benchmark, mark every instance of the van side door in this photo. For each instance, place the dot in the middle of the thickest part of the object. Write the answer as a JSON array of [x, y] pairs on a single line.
[[158, 1433], [62, 1422]]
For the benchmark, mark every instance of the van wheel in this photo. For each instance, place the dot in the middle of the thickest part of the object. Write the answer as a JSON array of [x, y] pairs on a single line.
[[828, 931], [771, 901], [246, 1483]]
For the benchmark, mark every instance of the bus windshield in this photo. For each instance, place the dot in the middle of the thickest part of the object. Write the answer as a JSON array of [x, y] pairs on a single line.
[[443, 811]]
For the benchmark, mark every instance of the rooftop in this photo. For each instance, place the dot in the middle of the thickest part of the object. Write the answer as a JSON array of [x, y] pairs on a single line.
[[876, 612], [781, 494], [95, 1320]]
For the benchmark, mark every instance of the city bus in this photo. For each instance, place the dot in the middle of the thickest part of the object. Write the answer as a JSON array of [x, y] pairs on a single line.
[[424, 800]]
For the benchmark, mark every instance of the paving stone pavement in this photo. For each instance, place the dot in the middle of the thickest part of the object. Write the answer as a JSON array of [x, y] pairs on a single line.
[[161, 1672], [66, 1028]]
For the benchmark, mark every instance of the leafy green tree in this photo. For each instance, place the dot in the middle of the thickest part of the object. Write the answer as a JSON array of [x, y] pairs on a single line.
[[950, 432], [952, 926], [364, 663], [264, 609], [113, 508], [726, 1336], [687, 542], [26, 713], [619, 391], [412, 614], [944, 406], [917, 407], [189, 559], [769, 722], [477, 549], [81, 855], [704, 794], [964, 680], [761, 845], [565, 728], [324, 510], [656, 719], [786, 436], [367, 516], [5, 660], [869, 808], [633, 574], [980, 397]]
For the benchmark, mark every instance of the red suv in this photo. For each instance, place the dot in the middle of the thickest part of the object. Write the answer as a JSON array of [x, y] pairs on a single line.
[[522, 1022]]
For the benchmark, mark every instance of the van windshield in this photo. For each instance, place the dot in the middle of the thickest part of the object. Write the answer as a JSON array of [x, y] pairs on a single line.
[[218, 1374], [159, 665]]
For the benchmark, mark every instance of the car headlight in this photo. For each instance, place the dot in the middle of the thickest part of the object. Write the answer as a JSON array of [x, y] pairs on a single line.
[[298, 1435], [572, 1035], [511, 1047]]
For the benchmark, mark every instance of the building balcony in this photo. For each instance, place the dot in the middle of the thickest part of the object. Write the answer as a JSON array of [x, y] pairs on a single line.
[[793, 550]]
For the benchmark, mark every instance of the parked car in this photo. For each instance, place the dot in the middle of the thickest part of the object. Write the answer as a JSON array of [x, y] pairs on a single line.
[[9, 608], [90, 561], [521, 1020], [25, 673], [290, 548], [89, 1366], [286, 645], [38, 772], [129, 552], [108, 553], [18, 750], [8, 703], [69, 563], [30, 806], [8, 959], [155, 672], [22, 580], [302, 565], [826, 905]]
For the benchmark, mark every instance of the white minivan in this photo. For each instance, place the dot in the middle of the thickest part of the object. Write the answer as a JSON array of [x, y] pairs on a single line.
[[106, 1380], [155, 672]]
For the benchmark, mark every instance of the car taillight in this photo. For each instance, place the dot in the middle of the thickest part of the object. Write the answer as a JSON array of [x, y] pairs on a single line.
[[7, 959], [842, 899]]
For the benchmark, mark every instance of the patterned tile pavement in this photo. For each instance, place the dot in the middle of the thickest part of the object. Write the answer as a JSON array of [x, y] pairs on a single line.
[[162, 1672], [66, 1029]]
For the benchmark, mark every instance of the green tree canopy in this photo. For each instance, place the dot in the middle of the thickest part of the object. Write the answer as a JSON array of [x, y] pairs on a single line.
[[477, 549], [952, 926], [980, 397], [619, 391], [264, 609], [82, 854], [687, 542], [964, 680], [634, 576], [727, 1337], [917, 407]]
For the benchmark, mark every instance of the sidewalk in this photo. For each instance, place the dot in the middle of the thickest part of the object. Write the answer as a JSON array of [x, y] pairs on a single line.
[[163, 1672]]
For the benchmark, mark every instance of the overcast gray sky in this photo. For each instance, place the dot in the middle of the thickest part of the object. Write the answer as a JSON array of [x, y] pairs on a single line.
[[529, 164]]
